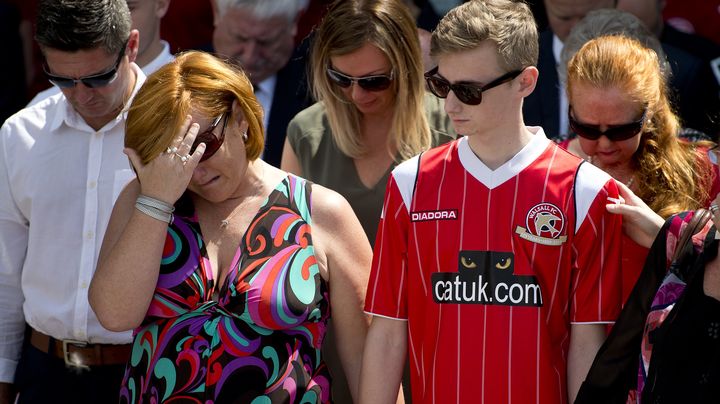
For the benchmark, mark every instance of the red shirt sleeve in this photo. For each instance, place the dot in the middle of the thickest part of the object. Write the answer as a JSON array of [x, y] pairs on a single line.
[[597, 280], [386, 292]]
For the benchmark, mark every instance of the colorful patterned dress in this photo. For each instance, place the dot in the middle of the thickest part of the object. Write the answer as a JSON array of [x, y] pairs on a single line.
[[259, 342]]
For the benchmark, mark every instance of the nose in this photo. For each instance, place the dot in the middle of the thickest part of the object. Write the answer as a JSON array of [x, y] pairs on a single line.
[[199, 174], [603, 140], [250, 51], [81, 93], [356, 92], [452, 104]]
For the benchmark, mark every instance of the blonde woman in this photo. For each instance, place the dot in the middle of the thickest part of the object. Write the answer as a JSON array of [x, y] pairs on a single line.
[[372, 110]]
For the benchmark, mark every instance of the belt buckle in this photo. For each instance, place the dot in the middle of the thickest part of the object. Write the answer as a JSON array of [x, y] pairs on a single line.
[[66, 355]]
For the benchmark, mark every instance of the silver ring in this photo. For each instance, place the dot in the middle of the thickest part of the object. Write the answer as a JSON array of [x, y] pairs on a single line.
[[714, 208], [183, 158]]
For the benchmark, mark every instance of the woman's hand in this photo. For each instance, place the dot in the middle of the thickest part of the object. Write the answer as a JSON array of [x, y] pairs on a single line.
[[640, 223], [167, 176]]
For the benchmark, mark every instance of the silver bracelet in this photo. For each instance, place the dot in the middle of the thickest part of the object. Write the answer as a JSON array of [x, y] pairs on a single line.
[[155, 203], [154, 213]]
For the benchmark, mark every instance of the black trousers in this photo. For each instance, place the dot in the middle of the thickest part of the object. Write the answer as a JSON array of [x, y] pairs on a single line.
[[43, 378]]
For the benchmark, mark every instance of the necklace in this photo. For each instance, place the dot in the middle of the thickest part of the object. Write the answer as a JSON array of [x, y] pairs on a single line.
[[628, 183], [226, 222]]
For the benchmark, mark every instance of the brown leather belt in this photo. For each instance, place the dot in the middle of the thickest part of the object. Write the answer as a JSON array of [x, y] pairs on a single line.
[[81, 354]]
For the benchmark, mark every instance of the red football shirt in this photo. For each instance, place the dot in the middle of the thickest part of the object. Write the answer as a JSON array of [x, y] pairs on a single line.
[[489, 268]]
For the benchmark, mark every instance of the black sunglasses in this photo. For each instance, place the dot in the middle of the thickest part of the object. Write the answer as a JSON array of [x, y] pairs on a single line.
[[467, 93], [93, 81], [375, 82], [615, 133], [212, 142]]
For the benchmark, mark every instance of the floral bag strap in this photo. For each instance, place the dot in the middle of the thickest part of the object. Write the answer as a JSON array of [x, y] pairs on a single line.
[[697, 223]]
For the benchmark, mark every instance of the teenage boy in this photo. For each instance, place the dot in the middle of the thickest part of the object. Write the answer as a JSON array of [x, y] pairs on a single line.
[[496, 266]]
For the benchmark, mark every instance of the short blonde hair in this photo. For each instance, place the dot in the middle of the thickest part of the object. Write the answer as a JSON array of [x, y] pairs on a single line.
[[388, 25], [194, 81], [672, 176], [510, 25]]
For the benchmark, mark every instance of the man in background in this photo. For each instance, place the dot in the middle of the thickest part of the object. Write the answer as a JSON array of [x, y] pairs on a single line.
[[704, 103], [547, 106], [259, 36]]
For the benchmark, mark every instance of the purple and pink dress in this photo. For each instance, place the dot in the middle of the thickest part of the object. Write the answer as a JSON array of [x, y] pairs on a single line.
[[259, 339]]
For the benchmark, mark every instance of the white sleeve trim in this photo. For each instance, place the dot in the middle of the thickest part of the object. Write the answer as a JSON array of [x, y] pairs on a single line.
[[589, 181], [405, 175], [592, 322], [388, 317]]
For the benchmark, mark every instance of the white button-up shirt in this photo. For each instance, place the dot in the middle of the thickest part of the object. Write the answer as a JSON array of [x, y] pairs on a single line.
[[59, 179]]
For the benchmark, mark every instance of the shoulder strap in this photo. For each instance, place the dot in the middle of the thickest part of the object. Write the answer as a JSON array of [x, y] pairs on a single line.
[[697, 223]]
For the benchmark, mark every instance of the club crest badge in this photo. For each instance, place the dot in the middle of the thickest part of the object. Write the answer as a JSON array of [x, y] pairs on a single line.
[[544, 224]]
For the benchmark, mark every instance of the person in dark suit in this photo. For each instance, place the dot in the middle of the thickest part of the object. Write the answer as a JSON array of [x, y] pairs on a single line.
[[547, 105], [702, 109], [259, 36]]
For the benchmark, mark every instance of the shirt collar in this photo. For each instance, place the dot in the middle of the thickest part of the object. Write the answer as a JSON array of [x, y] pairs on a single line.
[[268, 85], [557, 47], [163, 58]]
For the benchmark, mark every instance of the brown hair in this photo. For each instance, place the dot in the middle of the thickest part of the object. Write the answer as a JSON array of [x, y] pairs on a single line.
[[194, 81]]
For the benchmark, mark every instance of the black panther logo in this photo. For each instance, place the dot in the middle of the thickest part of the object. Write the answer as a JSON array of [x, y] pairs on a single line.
[[486, 277]]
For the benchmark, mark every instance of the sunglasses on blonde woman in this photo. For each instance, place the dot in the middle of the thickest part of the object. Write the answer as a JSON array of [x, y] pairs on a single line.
[[614, 133], [212, 142], [375, 82]]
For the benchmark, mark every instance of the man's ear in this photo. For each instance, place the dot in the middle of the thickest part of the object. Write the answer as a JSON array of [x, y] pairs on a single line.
[[133, 45], [528, 80], [161, 8], [216, 12]]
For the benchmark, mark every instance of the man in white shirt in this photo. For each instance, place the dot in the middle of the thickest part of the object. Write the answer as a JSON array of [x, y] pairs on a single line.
[[153, 52], [61, 168], [259, 36]]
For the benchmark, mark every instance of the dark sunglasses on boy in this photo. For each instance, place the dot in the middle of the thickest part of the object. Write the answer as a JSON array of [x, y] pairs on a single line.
[[614, 133], [375, 82], [93, 81], [467, 93], [212, 142]]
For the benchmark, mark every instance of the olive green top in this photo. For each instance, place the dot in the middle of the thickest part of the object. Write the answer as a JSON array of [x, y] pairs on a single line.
[[323, 163]]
